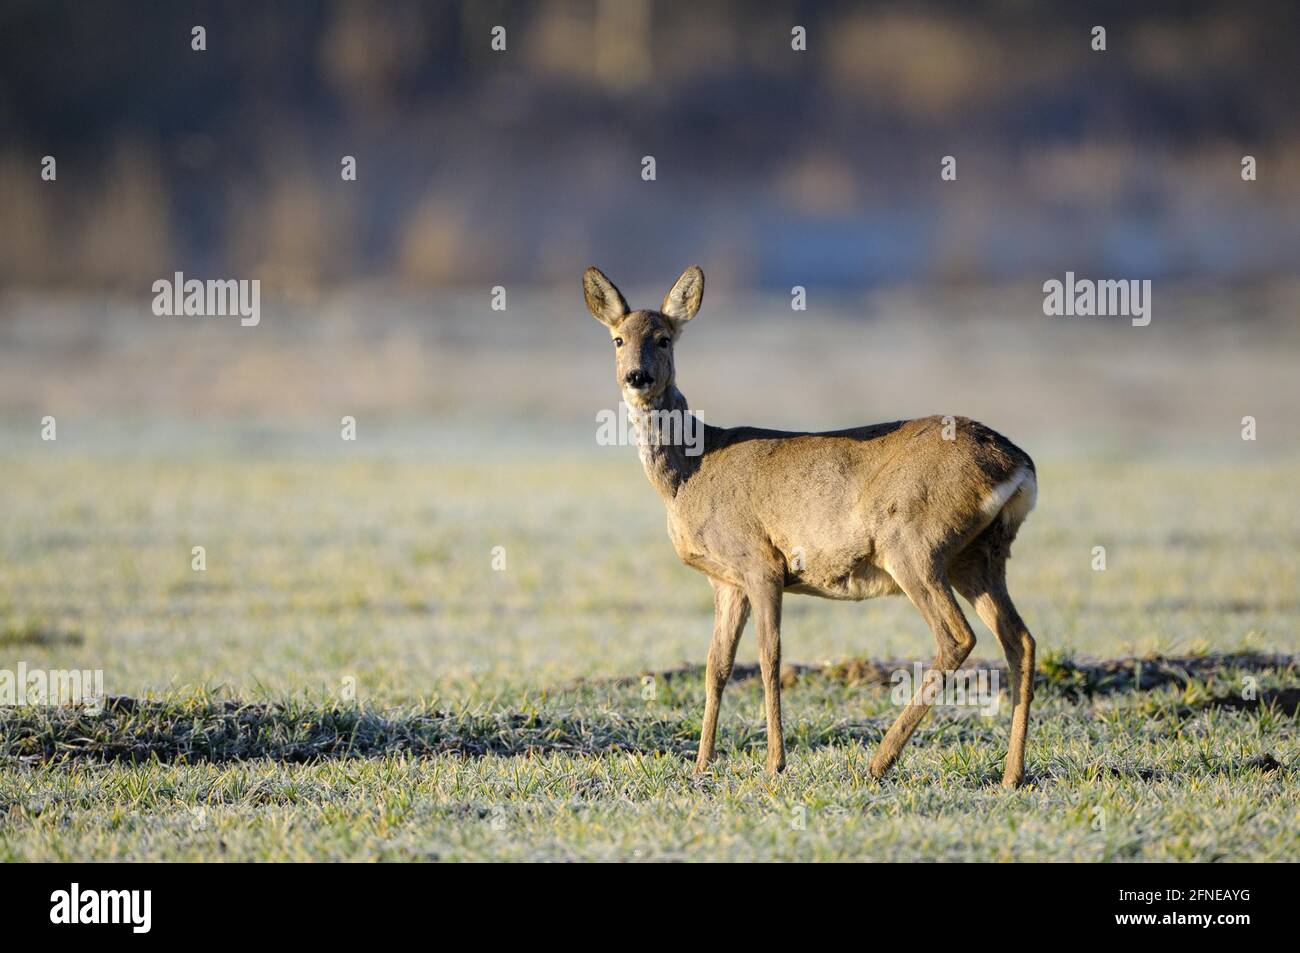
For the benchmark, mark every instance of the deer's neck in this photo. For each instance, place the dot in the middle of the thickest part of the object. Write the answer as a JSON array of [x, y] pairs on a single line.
[[665, 432]]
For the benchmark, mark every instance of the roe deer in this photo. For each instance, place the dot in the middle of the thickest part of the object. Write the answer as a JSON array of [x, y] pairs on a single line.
[[918, 507]]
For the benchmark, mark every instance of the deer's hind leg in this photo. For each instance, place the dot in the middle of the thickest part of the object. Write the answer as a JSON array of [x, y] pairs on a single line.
[[982, 579], [730, 610], [930, 592]]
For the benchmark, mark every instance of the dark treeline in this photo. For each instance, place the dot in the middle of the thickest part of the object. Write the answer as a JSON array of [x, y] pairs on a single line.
[[774, 166]]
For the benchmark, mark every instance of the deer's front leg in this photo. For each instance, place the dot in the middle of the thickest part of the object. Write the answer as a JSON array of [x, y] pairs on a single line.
[[730, 610], [766, 599]]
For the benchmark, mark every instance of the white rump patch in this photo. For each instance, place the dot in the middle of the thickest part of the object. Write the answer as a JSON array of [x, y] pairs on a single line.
[[1012, 498]]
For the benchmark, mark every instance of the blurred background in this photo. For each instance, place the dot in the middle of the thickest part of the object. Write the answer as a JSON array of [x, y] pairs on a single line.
[[774, 167], [476, 427]]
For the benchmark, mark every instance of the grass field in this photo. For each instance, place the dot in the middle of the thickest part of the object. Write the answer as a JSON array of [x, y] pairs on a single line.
[[351, 678]]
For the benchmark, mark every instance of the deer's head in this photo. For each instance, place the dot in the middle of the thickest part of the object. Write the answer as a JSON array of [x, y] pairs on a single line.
[[643, 340]]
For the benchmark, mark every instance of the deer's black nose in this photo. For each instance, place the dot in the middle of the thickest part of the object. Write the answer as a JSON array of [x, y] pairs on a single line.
[[638, 379]]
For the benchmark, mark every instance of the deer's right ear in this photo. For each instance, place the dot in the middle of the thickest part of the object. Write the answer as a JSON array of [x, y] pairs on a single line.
[[604, 301]]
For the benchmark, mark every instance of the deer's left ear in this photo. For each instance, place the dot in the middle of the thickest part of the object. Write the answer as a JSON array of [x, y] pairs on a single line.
[[682, 303]]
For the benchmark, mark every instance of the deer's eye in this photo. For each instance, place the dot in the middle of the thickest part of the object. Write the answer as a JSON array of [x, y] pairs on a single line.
[[618, 342], [664, 342]]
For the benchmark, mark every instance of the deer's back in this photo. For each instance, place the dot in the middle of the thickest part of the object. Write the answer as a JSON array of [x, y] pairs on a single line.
[[837, 503]]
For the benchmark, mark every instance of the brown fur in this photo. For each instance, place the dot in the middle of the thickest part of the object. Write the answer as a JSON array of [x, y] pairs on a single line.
[[919, 507]]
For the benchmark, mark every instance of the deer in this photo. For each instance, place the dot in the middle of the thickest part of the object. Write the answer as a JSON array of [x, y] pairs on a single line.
[[920, 507]]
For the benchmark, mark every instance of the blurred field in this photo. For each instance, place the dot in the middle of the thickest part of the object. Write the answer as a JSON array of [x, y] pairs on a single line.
[[329, 561], [111, 370], [381, 568]]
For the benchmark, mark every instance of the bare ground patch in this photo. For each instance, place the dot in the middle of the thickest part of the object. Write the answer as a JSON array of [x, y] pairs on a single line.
[[1081, 677]]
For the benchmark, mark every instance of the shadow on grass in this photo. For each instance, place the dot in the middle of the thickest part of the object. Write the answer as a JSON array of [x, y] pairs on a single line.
[[205, 730], [1231, 767], [35, 632], [187, 732]]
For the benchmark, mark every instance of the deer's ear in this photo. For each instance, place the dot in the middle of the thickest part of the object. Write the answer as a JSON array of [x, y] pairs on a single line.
[[604, 301], [683, 301]]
